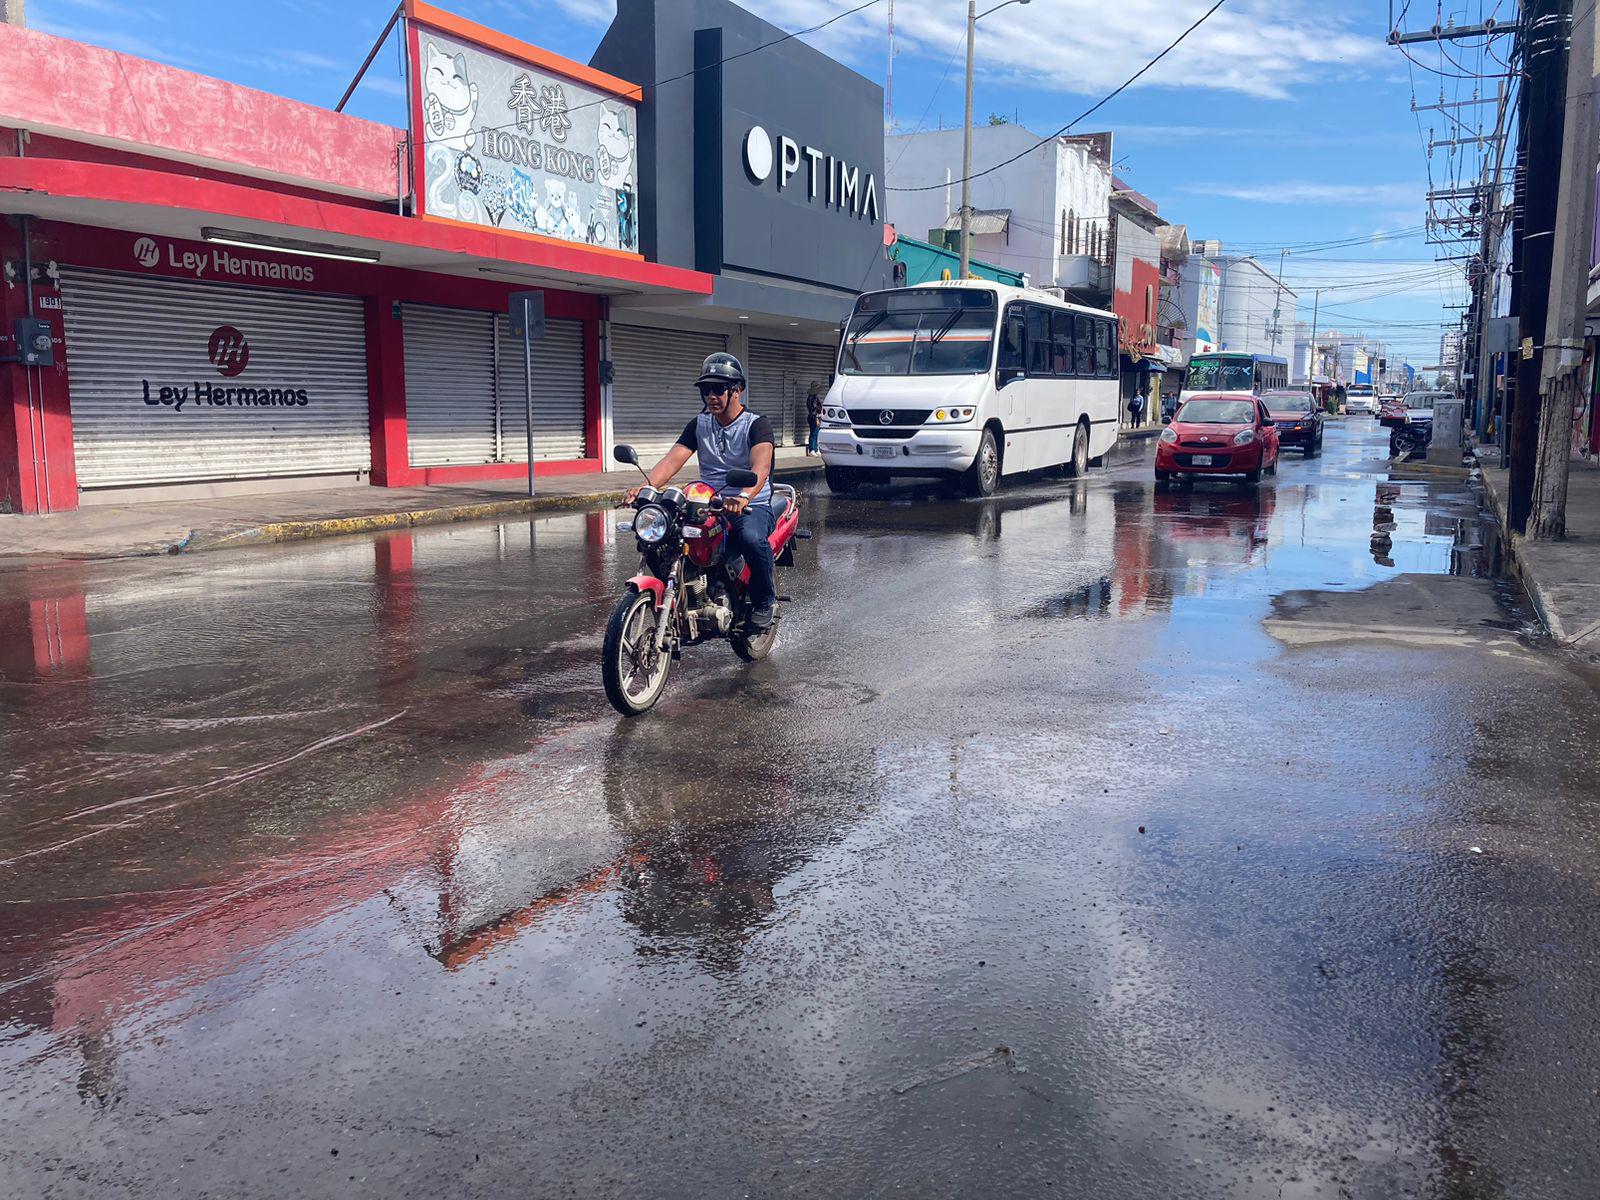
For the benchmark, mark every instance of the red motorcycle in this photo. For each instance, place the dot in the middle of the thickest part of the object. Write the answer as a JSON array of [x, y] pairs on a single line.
[[689, 590]]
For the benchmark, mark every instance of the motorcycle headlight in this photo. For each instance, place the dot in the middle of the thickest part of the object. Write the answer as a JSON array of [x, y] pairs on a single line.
[[1244, 437], [650, 524], [1169, 435]]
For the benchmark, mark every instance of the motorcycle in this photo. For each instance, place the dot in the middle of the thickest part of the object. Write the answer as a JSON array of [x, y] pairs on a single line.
[[1410, 437], [689, 589]]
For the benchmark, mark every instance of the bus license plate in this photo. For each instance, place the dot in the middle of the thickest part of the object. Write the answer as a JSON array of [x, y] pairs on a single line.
[[883, 452], [1203, 460]]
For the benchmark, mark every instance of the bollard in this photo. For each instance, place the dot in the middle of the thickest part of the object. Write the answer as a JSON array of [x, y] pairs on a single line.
[[1445, 448]]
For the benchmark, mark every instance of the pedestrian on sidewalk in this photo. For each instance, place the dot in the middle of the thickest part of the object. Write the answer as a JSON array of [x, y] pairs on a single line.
[[1136, 405], [813, 417]]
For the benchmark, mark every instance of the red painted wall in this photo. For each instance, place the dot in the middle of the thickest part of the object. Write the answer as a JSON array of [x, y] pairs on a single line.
[[1137, 332], [60, 86]]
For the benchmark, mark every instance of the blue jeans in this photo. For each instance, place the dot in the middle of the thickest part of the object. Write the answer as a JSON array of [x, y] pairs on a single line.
[[811, 443], [748, 537]]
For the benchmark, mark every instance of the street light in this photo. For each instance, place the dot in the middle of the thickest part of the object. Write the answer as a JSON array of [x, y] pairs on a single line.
[[973, 17]]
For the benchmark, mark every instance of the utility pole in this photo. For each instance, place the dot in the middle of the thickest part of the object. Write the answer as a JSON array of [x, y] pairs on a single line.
[[1569, 280], [1277, 302], [11, 13], [966, 146], [1547, 23], [973, 17]]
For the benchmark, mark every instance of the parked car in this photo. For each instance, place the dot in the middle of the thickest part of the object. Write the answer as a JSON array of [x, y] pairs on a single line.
[[1298, 417], [1359, 397], [1218, 434]]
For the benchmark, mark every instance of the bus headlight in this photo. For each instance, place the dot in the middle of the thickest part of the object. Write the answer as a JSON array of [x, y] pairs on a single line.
[[953, 414], [650, 524], [835, 416]]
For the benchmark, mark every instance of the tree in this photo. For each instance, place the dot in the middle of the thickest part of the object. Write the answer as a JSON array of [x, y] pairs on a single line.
[[996, 119], [1441, 381]]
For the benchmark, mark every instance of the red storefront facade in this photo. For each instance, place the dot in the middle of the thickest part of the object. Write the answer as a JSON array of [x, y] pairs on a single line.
[[143, 198]]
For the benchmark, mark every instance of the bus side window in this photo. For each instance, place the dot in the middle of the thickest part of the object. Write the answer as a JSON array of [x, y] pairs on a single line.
[[1061, 343], [1085, 347], [1011, 341], [1103, 340], [1038, 340]]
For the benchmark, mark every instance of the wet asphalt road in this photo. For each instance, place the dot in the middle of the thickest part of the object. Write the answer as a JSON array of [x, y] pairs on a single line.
[[1087, 841]]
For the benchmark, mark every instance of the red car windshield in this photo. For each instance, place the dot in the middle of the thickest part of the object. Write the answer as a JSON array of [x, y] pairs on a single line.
[[1217, 412]]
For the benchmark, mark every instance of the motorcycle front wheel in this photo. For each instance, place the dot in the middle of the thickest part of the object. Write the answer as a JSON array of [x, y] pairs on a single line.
[[753, 647], [635, 672]]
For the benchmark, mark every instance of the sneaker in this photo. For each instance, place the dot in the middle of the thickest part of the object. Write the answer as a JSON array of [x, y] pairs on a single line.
[[761, 618]]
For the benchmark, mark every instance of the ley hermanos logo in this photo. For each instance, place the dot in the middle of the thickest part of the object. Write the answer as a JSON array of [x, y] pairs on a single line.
[[229, 352], [146, 252]]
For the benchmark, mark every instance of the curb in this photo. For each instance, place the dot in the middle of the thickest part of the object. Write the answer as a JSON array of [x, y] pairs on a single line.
[[1517, 569], [277, 532]]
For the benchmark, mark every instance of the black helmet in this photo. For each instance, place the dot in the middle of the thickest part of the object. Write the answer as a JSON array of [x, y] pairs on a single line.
[[722, 368]]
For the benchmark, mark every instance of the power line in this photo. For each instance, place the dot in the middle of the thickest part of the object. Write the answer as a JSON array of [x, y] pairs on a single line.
[[1095, 107]]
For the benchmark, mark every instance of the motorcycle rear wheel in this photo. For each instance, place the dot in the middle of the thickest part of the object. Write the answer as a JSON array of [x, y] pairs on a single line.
[[635, 673]]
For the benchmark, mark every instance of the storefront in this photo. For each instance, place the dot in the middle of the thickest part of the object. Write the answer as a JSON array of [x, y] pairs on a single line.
[[238, 304], [762, 170]]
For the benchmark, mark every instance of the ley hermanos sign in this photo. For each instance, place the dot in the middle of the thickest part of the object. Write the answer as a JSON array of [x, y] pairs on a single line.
[[516, 138]]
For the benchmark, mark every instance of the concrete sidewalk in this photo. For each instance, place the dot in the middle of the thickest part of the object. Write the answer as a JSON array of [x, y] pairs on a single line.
[[1562, 578], [188, 526]]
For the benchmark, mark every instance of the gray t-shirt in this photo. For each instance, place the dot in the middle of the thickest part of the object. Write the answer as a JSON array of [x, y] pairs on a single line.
[[724, 448]]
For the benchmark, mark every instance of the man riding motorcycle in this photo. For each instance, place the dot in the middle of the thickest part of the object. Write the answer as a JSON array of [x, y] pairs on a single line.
[[728, 437]]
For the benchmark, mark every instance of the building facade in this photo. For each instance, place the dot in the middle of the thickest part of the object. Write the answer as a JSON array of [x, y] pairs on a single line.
[[229, 292]]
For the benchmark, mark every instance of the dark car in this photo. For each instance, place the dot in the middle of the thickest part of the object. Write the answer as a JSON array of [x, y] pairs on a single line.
[[1298, 417]]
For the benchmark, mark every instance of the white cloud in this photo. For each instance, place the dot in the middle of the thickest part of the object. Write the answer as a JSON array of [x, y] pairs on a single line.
[[1313, 192], [116, 39], [307, 60], [386, 85], [1077, 46]]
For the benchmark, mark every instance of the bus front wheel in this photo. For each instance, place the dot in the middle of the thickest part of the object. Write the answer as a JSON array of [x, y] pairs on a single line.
[[984, 473]]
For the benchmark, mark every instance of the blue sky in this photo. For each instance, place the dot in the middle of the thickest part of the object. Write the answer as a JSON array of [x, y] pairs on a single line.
[[1279, 122]]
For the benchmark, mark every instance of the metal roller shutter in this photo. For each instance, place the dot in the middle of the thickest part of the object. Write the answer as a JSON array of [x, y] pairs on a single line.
[[652, 389], [124, 332], [781, 374], [558, 377], [450, 401]]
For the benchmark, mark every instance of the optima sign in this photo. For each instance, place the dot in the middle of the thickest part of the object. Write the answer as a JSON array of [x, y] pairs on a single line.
[[834, 181]]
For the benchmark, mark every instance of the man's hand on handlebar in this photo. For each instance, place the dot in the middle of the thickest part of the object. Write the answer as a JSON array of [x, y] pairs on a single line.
[[629, 497], [735, 504]]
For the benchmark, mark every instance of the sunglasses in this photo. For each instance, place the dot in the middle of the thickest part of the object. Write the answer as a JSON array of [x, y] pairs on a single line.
[[708, 390]]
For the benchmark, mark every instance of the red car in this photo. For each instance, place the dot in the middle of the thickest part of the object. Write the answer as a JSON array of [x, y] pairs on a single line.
[[1218, 434]]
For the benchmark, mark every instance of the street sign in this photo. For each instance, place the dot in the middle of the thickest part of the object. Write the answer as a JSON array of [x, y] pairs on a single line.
[[527, 323], [527, 314]]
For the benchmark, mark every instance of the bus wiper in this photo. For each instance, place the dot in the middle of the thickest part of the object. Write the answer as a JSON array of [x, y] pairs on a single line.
[[946, 327]]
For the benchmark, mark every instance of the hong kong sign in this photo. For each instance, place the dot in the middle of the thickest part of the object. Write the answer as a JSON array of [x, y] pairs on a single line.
[[512, 145]]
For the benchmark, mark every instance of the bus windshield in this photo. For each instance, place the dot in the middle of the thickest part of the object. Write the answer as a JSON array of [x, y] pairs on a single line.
[[920, 332], [1220, 375]]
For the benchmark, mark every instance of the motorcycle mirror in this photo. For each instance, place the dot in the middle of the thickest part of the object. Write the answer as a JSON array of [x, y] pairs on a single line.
[[741, 479], [625, 454]]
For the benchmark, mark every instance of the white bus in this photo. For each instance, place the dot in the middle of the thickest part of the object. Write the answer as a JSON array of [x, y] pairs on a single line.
[[1232, 371], [969, 381]]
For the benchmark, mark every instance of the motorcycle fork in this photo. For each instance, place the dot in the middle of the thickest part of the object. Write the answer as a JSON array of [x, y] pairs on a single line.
[[669, 608]]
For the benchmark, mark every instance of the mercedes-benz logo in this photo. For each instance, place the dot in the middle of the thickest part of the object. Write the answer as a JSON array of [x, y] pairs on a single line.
[[886, 417]]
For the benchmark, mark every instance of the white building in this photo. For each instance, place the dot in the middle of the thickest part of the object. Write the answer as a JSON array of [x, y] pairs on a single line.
[[1232, 302], [1046, 214]]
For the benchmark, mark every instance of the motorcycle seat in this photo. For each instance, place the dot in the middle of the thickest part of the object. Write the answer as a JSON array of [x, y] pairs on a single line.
[[782, 501]]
